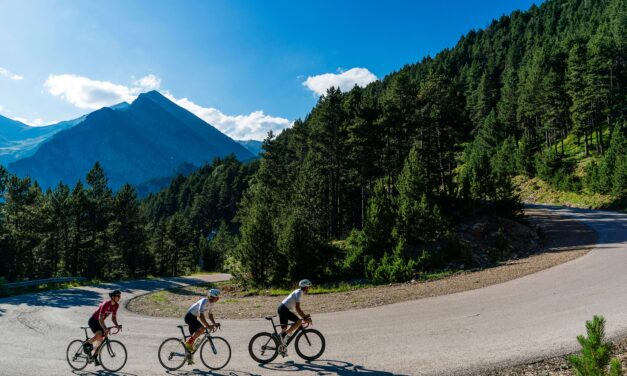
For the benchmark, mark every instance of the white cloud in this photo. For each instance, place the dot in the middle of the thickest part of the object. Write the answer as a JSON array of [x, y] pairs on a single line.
[[344, 80], [1, 108], [239, 127], [10, 75], [86, 93], [149, 82], [38, 122]]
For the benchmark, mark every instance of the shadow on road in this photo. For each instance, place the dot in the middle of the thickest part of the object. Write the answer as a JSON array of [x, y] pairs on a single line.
[[562, 232], [2, 311], [327, 367], [58, 298], [222, 372], [86, 296], [102, 372]]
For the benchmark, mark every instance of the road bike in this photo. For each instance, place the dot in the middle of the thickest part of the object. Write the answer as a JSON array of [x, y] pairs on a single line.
[[264, 347], [215, 352], [111, 353]]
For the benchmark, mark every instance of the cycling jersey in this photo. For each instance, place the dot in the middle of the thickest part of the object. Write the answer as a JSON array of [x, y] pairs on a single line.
[[201, 306], [292, 299], [105, 309]]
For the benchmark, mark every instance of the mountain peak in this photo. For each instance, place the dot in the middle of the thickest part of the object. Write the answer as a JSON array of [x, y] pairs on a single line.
[[152, 94]]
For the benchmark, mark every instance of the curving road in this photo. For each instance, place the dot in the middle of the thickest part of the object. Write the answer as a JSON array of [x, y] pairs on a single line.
[[521, 320]]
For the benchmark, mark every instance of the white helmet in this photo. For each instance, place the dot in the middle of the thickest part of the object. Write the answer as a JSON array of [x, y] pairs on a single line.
[[304, 283], [214, 293]]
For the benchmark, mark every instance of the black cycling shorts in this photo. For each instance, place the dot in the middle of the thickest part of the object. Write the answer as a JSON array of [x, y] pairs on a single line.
[[94, 325], [193, 323], [286, 315]]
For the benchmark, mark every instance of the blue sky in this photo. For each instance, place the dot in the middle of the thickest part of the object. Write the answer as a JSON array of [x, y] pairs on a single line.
[[245, 66]]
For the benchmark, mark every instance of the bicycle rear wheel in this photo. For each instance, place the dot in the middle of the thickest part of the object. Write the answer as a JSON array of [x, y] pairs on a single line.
[[76, 357], [172, 354], [310, 344], [263, 347], [215, 353], [112, 355]]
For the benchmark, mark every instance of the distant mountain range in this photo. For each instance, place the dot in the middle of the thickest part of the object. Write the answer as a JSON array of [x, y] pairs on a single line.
[[148, 140], [253, 146], [18, 140]]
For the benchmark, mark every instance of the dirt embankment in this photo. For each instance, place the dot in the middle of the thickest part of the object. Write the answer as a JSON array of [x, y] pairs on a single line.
[[564, 240]]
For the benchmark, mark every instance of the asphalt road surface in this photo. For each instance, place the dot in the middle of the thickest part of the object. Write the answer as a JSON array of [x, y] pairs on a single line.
[[521, 320]]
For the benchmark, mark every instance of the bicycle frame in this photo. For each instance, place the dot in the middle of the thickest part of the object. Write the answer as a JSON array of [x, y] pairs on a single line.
[[205, 338], [105, 342], [276, 333]]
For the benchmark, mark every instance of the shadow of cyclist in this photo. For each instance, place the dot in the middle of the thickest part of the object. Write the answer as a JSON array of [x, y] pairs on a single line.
[[222, 372], [102, 372], [327, 367]]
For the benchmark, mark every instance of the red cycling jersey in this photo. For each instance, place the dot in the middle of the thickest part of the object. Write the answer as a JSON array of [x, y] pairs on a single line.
[[105, 309]]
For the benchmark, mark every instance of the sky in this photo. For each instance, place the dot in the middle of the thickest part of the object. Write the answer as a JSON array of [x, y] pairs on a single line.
[[245, 67]]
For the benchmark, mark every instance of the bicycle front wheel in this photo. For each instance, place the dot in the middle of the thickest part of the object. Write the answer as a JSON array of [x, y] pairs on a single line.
[[310, 344], [215, 353], [112, 355], [76, 357], [172, 354], [263, 347]]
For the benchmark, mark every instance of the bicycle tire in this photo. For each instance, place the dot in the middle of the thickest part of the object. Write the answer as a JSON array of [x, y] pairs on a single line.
[[304, 334], [216, 341], [106, 349], [182, 350], [264, 339], [75, 352]]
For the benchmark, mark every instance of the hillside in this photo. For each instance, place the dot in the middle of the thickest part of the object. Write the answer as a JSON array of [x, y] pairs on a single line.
[[152, 138]]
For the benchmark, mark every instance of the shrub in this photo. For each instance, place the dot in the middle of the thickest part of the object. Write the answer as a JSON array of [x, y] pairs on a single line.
[[596, 352]]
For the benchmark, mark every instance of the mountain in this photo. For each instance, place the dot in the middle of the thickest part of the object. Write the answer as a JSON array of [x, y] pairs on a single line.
[[150, 138], [18, 140], [253, 146]]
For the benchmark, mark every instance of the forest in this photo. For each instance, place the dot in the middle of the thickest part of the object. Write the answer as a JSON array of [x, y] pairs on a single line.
[[373, 182]]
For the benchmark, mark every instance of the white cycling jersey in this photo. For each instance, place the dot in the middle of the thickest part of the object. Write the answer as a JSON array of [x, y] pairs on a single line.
[[201, 306], [295, 297]]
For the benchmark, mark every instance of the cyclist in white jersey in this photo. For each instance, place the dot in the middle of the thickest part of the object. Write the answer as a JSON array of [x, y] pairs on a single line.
[[198, 311], [292, 302]]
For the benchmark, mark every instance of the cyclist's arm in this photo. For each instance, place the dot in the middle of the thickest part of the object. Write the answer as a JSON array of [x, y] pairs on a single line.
[[212, 320], [300, 311], [115, 320], [204, 320]]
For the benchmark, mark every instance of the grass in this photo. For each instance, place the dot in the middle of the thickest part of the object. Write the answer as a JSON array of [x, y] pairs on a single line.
[[536, 190]]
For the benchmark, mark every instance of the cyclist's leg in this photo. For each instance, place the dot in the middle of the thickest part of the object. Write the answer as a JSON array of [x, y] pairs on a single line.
[[285, 315], [195, 327]]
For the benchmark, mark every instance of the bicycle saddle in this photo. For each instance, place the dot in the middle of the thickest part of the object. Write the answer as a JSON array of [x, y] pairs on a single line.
[[181, 326], [269, 317], [84, 327]]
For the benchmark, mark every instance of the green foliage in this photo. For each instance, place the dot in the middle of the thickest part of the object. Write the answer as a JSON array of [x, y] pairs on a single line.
[[596, 352]]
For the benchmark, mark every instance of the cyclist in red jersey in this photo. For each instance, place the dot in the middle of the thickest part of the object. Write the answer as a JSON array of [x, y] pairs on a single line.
[[97, 324]]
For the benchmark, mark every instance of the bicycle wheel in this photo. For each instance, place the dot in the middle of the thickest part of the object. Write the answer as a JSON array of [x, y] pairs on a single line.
[[263, 347], [309, 344], [112, 355], [215, 353], [172, 354], [76, 357]]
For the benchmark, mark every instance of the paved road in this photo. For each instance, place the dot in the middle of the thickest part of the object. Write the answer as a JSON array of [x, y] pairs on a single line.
[[525, 319]]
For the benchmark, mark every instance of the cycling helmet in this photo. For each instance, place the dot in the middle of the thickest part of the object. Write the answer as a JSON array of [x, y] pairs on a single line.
[[304, 283], [114, 293], [214, 293]]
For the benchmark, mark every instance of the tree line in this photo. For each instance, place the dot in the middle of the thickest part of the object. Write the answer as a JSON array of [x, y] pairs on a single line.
[[90, 231], [373, 182]]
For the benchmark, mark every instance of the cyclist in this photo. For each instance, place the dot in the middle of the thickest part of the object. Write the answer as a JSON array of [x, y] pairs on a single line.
[[97, 322], [293, 301], [198, 311]]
